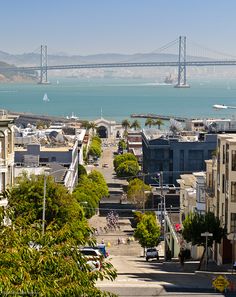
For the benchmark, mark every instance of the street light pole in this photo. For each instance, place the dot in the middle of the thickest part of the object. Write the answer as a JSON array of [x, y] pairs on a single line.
[[44, 202], [44, 195], [206, 234]]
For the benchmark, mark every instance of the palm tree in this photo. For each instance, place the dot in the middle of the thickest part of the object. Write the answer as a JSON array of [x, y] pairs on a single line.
[[125, 124], [149, 122], [85, 125], [136, 125], [93, 126], [159, 123]]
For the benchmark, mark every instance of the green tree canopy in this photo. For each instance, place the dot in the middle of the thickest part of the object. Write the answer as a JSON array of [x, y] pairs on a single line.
[[149, 122], [90, 190], [137, 192], [148, 230], [136, 125], [81, 170], [123, 158], [159, 123], [95, 148], [26, 201], [128, 169], [49, 265], [122, 144], [196, 223], [125, 124]]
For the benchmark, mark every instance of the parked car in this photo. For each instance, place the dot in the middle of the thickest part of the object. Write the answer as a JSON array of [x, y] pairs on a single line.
[[96, 164], [105, 165], [93, 258], [152, 253]]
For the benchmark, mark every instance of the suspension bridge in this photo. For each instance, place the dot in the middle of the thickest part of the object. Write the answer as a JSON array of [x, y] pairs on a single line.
[[181, 64]]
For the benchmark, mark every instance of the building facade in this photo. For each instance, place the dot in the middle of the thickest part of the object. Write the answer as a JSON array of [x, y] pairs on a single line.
[[6, 150], [225, 196], [175, 156], [65, 156]]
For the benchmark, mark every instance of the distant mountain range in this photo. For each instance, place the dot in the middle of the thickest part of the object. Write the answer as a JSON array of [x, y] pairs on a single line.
[[33, 59]]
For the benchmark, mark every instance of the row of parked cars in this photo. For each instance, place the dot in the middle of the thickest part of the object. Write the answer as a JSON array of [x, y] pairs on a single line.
[[94, 256]]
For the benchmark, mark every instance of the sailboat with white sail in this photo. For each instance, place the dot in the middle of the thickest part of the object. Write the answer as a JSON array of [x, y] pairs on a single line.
[[45, 98]]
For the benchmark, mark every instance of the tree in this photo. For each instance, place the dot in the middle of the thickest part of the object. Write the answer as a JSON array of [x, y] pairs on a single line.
[[148, 230], [136, 125], [123, 158], [93, 126], [49, 264], [127, 169], [122, 144], [149, 122], [26, 202], [81, 170], [125, 124], [196, 223], [137, 192], [159, 123], [95, 148], [89, 191], [85, 125]]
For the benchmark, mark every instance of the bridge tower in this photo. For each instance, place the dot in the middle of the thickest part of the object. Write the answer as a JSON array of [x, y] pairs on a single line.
[[182, 82], [43, 65]]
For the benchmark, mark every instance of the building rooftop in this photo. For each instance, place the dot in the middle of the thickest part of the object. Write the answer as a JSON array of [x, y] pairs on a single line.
[[48, 148]]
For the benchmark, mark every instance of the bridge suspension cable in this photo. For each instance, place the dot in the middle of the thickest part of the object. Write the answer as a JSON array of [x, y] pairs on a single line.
[[158, 50], [208, 51]]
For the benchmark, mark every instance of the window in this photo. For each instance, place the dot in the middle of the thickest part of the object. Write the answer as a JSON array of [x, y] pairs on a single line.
[[223, 159], [233, 223], [223, 183], [234, 160], [233, 191]]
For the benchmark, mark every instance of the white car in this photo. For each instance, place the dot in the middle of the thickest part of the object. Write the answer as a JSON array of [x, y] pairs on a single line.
[[93, 258], [152, 253]]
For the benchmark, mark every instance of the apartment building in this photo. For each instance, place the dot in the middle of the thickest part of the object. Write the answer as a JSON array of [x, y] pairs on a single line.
[[225, 191], [192, 194], [6, 150]]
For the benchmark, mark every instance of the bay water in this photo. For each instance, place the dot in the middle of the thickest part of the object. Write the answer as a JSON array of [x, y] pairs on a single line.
[[117, 99]]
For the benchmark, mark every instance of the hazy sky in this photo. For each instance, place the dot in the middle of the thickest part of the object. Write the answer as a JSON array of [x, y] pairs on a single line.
[[118, 26]]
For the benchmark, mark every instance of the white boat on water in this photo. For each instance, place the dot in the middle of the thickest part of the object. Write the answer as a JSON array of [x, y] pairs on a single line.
[[72, 117], [45, 98]]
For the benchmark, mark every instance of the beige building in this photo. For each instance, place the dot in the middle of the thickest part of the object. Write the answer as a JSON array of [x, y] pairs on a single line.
[[192, 193], [6, 150], [225, 196]]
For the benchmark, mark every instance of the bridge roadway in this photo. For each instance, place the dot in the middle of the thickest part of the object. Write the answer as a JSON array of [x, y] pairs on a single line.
[[121, 65]]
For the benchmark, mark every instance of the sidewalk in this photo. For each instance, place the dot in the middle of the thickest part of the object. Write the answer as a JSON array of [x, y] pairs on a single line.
[[189, 279]]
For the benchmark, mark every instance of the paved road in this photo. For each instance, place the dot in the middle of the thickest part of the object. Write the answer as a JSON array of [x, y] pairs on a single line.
[[136, 277]]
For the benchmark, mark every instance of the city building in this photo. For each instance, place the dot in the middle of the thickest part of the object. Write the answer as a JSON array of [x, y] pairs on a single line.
[[35, 156], [211, 125], [6, 150], [225, 196], [134, 144], [192, 194], [107, 128], [175, 155]]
